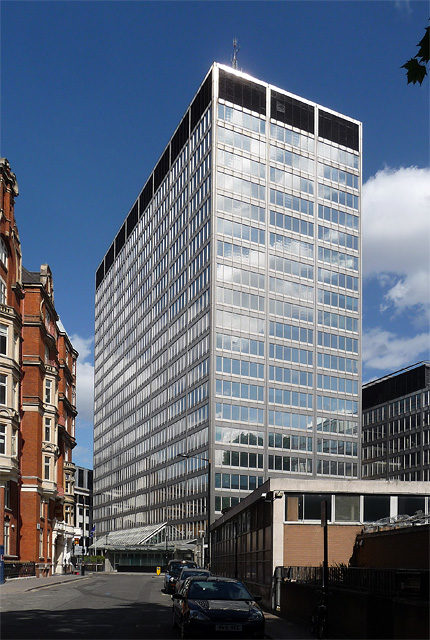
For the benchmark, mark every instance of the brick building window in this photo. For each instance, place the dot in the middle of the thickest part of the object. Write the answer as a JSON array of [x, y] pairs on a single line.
[[3, 387], [14, 443], [48, 391], [3, 252], [3, 339], [7, 495], [3, 432], [3, 291], [6, 533], [47, 468], [47, 429]]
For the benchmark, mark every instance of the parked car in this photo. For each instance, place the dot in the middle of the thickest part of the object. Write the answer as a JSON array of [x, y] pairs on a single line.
[[173, 571], [216, 606], [188, 573]]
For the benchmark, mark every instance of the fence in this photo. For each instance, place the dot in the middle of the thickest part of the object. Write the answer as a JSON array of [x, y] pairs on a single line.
[[384, 582], [19, 569]]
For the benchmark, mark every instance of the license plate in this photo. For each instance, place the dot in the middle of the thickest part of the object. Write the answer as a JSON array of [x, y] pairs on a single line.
[[228, 627]]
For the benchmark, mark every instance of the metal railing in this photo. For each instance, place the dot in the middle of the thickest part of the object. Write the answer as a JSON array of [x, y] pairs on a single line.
[[19, 569], [387, 582]]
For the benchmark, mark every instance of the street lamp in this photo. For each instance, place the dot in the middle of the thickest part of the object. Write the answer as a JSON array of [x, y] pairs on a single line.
[[208, 501]]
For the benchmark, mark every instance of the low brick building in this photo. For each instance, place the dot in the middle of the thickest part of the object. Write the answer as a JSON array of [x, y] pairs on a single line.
[[279, 524]]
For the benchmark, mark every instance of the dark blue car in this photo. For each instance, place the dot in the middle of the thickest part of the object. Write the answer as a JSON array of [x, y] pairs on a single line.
[[217, 607]]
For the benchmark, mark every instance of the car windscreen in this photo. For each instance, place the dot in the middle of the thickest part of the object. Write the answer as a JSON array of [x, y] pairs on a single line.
[[193, 572], [175, 570], [217, 590]]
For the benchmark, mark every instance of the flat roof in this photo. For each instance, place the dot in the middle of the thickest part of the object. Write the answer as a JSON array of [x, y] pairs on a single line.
[[328, 485]]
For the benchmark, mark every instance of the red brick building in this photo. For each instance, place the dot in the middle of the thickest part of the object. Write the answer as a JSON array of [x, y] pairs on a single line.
[[10, 369], [37, 406], [47, 427]]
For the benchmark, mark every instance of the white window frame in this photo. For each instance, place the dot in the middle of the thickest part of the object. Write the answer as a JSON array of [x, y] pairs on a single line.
[[3, 385], [3, 291], [3, 252], [49, 387], [6, 538], [3, 335], [7, 495], [14, 443], [48, 429], [47, 468], [3, 439]]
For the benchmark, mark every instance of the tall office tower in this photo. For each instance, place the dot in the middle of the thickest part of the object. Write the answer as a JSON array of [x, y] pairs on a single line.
[[228, 312], [396, 425]]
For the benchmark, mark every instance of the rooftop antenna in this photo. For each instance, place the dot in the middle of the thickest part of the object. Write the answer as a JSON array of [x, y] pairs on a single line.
[[235, 52]]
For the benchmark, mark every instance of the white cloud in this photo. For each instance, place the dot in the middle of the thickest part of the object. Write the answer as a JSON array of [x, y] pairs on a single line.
[[83, 456], [84, 378], [384, 350], [396, 236], [403, 6]]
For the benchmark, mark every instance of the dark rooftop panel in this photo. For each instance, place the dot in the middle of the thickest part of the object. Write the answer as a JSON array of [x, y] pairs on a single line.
[[201, 101], [100, 274], [132, 218], [146, 195], [291, 111], [180, 137], [396, 386], [338, 130], [244, 93], [162, 168]]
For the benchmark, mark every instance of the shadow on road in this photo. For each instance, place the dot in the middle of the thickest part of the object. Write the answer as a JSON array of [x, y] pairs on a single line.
[[146, 620]]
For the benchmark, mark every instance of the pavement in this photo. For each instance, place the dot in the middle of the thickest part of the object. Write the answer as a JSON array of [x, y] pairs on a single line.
[[29, 583], [277, 628]]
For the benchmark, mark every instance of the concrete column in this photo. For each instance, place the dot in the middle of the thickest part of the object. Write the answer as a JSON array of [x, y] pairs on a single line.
[[278, 531]]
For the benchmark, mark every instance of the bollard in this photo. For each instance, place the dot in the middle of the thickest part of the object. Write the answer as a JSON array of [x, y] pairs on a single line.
[[82, 569]]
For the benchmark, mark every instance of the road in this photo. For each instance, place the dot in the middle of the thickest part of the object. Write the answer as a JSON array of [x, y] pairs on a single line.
[[106, 606]]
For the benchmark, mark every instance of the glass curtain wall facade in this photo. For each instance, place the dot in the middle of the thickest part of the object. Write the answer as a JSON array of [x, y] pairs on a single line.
[[228, 311], [396, 425]]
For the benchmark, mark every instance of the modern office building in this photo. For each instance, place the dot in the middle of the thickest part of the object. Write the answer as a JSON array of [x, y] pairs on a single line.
[[396, 425], [228, 312]]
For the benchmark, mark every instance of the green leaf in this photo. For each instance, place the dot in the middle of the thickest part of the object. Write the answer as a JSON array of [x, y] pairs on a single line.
[[416, 72]]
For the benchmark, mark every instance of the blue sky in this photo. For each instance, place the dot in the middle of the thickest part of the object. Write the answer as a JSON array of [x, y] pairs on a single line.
[[92, 91]]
